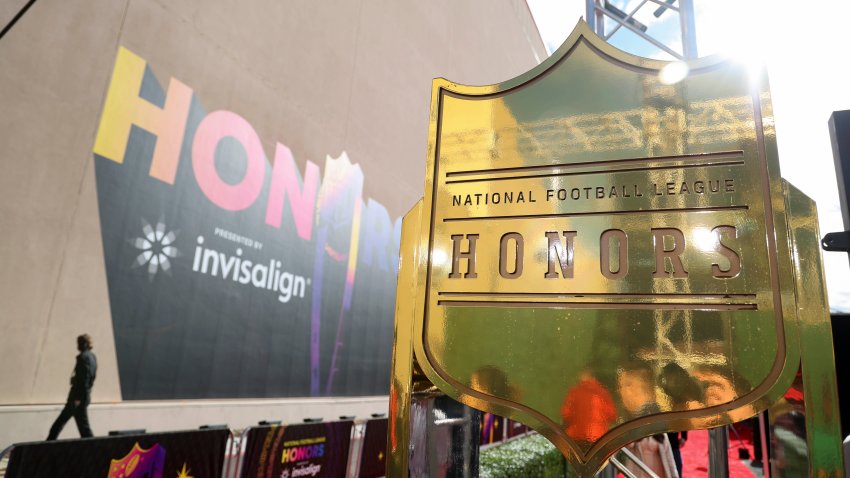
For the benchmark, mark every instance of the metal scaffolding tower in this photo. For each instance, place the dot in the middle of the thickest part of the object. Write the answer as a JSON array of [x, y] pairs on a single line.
[[599, 10]]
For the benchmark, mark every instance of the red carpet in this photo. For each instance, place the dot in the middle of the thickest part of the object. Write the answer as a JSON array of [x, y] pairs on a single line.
[[695, 454]]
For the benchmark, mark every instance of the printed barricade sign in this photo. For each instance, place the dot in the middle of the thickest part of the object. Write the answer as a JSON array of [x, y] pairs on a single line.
[[308, 450], [198, 453]]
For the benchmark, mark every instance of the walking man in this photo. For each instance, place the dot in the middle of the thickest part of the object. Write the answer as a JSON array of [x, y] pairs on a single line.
[[80, 395]]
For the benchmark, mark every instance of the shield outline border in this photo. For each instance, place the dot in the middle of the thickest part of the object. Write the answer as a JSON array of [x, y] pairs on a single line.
[[788, 350]]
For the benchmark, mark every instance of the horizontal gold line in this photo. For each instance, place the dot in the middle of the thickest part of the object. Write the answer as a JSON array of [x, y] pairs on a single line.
[[600, 295], [604, 171], [612, 162], [596, 305], [599, 213]]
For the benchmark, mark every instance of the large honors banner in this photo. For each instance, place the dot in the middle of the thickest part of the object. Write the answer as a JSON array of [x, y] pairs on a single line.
[[233, 270], [604, 248]]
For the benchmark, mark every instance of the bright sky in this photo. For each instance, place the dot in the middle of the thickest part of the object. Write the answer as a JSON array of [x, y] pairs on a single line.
[[807, 54]]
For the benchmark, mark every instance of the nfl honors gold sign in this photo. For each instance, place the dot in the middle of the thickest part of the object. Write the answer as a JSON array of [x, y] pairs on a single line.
[[602, 252]]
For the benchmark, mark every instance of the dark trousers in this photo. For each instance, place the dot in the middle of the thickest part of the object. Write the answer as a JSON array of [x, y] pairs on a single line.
[[81, 417], [754, 423]]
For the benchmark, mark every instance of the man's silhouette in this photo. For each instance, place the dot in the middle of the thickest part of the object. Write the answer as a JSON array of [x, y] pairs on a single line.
[[80, 395]]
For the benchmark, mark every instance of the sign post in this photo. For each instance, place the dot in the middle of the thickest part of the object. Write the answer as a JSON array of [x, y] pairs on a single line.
[[605, 250]]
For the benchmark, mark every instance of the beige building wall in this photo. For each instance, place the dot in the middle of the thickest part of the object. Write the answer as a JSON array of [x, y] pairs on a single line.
[[9, 9], [320, 77]]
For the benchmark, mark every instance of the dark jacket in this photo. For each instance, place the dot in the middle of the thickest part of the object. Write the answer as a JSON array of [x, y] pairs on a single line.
[[84, 373]]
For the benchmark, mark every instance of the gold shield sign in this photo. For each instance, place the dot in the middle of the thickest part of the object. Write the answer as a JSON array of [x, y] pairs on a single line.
[[604, 249]]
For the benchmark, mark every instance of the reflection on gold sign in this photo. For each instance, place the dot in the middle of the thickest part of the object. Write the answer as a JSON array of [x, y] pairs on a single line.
[[603, 256], [729, 118]]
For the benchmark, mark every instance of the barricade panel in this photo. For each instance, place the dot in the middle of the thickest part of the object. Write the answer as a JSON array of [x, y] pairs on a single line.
[[188, 453], [311, 450], [373, 463]]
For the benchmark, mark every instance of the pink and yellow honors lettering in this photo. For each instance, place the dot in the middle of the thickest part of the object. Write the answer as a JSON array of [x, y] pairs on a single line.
[[125, 108]]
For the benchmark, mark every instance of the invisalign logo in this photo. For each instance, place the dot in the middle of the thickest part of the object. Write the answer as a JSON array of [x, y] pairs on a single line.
[[157, 249]]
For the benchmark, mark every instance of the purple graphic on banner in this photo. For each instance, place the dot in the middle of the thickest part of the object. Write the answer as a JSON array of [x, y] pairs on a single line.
[[338, 228], [491, 428], [139, 463]]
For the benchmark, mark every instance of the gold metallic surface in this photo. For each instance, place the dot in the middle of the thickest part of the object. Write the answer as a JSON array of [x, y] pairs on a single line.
[[603, 256], [402, 380], [822, 421]]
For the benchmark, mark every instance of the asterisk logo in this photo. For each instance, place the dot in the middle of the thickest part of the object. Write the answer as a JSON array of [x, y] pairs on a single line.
[[156, 246], [184, 473]]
